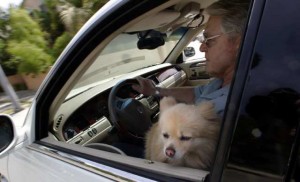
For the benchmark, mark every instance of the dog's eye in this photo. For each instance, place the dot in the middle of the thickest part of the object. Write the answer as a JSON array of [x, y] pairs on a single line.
[[166, 135], [185, 138]]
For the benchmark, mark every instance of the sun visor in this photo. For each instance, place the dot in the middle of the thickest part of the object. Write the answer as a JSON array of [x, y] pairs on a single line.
[[190, 16], [156, 21]]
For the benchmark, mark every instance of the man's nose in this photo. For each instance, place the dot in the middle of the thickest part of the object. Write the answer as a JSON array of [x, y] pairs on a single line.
[[203, 47]]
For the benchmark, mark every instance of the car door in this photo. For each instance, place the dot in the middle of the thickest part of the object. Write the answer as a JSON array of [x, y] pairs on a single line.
[[38, 154], [261, 127], [36, 163]]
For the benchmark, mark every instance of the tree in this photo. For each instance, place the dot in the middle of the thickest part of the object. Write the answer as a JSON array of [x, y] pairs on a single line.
[[49, 20], [5, 30], [74, 13], [60, 43], [35, 40], [27, 44]]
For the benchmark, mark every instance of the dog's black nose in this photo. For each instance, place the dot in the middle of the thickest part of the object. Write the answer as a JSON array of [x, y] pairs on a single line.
[[170, 152]]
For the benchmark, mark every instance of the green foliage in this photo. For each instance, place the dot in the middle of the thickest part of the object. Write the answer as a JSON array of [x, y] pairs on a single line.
[[30, 42], [74, 13], [25, 28], [76, 3], [2, 48], [5, 30], [49, 21], [96, 4], [60, 43], [31, 58], [26, 44]]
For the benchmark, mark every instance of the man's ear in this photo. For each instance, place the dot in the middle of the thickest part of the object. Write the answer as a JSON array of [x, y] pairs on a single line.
[[167, 102]]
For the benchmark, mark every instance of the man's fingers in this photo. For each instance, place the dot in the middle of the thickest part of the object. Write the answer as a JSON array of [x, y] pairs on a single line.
[[136, 87], [140, 80]]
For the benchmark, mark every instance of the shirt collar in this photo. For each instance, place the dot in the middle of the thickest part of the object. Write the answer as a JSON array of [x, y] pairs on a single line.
[[215, 89]]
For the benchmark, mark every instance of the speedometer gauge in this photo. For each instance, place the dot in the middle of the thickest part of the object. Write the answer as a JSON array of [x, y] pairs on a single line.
[[69, 133]]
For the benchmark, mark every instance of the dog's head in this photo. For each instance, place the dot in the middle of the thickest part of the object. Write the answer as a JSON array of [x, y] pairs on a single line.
[[183, 126]]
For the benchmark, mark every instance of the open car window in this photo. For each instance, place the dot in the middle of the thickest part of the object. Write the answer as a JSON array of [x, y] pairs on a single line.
[[122, 56], [101, 116]]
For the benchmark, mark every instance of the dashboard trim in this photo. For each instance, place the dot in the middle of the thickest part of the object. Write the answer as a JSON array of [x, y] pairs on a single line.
[[94, 133]]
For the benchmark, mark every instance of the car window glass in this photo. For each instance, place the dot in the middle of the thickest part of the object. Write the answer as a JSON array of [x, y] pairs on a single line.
[[269, 116]]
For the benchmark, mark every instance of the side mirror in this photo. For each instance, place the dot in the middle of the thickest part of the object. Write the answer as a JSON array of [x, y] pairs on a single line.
[[7, 133], [189, 52]]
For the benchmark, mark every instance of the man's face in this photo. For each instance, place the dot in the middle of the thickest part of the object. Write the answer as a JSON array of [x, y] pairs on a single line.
[[220, 52]]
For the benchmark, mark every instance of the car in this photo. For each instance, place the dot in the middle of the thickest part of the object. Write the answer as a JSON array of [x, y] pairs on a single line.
[[78, 128]]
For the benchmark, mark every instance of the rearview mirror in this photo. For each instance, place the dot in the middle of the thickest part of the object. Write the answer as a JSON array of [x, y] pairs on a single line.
[[150, 39], [7, 133], [150, 43]]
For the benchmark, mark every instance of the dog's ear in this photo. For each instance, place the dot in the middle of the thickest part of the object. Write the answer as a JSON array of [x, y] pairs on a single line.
[[167, 102], [207, 111]]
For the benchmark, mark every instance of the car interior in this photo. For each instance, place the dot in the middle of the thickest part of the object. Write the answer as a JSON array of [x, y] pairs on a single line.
[[98, 109]]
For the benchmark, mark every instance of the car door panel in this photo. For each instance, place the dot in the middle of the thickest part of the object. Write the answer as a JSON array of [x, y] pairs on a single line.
[[35, 166], [37, 162], [237, 175]]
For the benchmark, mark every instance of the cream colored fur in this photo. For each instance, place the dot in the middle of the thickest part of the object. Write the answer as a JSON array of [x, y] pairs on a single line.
[[185, 135]]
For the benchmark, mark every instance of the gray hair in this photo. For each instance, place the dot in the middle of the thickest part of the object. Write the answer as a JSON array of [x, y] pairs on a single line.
[[233, 14]]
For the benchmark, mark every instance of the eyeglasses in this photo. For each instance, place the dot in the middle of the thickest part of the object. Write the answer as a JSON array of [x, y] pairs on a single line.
[[202, 39]]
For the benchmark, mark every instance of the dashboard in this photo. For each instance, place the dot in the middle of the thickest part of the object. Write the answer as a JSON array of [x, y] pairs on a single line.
[[86, 115], [85, 118]]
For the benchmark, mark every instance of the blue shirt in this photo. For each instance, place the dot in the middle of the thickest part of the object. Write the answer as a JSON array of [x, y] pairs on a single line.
[[214, 92]]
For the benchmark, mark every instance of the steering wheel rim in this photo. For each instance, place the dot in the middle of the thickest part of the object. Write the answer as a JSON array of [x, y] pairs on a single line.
[[129, 116]]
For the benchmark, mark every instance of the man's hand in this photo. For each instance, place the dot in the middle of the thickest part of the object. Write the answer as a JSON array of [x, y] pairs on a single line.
[[146, 86]]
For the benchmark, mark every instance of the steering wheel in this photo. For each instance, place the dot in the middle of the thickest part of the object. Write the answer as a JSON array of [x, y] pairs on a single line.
[[131, 116]]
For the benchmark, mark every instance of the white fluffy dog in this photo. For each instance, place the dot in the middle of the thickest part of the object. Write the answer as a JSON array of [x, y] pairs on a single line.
[[185, 135]]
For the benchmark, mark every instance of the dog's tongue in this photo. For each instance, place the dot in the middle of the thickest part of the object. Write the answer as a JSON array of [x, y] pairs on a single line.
[[170, 152]]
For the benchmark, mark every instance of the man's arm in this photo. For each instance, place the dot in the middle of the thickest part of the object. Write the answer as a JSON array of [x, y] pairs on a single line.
[[182, 94]]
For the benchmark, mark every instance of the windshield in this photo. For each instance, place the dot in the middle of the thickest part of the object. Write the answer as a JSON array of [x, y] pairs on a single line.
[[122, 56]]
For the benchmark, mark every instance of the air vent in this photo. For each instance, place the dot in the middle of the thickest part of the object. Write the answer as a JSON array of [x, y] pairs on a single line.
[[58, 121]]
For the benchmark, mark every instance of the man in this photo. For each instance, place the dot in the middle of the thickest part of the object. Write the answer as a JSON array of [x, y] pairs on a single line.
[[220, 42]]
